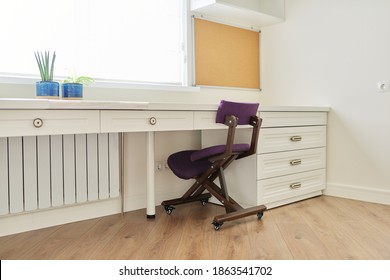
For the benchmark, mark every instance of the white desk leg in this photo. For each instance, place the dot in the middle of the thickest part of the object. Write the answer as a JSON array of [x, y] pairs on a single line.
[[150, 196], [122, 170]]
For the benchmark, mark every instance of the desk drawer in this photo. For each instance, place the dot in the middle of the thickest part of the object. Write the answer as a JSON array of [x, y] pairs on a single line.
[[291, 138], [287, 187], [206, 120], [284, 163], [45, 122], [281, 119], [136, 121]]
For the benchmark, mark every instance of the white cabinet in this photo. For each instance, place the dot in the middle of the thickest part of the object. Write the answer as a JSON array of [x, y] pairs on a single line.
[[290, 164], [291, 160], [249, 13]]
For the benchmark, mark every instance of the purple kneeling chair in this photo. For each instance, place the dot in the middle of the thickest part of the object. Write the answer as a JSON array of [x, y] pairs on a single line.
[[207, 164]]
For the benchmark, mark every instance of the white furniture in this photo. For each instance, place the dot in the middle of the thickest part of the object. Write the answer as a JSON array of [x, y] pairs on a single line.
[[291, 158], [248, 13], [34, 117], [299, 163]]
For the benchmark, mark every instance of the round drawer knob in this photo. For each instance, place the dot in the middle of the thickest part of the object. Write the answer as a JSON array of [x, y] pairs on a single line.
[[152, 120], [38, 123]]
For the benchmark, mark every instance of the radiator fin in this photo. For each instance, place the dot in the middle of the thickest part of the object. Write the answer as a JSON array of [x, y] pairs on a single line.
[[41, 172]]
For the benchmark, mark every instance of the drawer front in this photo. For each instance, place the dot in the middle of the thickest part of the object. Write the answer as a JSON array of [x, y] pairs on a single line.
[[135, 121], [291, 138], [284, 163], [281, 119], [287, 187], [206, 120], [45, 122]]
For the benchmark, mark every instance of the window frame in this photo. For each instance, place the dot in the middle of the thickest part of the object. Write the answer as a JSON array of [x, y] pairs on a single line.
[[186, 83]]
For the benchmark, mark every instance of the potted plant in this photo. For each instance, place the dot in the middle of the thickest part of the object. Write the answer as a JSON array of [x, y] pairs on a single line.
[[72, 87], [46, 87]]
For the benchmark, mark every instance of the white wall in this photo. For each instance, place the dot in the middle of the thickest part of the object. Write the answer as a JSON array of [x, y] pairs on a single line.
[[333, 53]]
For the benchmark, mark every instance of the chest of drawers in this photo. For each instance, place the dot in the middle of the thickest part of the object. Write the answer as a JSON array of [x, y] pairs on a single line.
[[291, 159], [290, 164]]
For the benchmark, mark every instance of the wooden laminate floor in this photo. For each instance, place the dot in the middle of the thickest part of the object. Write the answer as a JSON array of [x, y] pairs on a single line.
[[318, 228]]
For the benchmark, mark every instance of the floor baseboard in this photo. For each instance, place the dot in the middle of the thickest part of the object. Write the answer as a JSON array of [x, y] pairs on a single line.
[[358, 193]]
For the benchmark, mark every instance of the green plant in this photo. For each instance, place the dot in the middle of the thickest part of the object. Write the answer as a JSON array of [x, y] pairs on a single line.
[[79, 80], [46, 68], [74, 79]]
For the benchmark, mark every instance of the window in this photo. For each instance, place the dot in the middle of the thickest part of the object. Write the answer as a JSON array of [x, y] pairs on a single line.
[[138, 41]]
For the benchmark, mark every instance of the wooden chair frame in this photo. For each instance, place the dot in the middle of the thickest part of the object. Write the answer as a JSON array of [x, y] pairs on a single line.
[[216, 170]]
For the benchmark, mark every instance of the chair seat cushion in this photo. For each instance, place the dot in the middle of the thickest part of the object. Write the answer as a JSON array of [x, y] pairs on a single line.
[[192, 163], [217, 150], [183, 167]]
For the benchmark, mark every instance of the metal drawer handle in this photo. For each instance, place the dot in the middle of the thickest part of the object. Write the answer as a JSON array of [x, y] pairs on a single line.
[[295, 185], [295, 162], [295, 138], [152, 120], [38, 122]]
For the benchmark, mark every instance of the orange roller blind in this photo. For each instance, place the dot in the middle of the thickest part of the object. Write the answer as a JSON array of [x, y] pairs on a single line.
[[226, 56]]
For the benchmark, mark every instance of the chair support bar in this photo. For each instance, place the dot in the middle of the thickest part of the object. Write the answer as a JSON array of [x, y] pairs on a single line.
[[177, 201], [240, 214]]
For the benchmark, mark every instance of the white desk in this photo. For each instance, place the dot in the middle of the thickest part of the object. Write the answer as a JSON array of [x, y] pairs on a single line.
[[87, 116]]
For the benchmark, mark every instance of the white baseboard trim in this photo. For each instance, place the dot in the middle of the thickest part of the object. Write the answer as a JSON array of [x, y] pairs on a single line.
[[18, 223], [358, 193], [27, 221]]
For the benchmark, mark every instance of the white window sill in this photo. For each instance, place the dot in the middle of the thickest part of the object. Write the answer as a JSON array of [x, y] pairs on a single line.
[[30, 80]]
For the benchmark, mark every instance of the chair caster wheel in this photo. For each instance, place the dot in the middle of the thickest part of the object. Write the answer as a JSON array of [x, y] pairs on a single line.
[[169, 209], [204, 201], [217, 225], [260, 215]]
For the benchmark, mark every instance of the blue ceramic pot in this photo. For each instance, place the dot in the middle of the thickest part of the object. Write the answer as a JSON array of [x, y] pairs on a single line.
[[48, 89], [72, 90]]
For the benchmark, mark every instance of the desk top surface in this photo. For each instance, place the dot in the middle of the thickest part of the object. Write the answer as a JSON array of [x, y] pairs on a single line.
[[61, 104]]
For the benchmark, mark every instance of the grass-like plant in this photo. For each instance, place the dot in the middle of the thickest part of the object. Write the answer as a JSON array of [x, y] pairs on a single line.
[[46, 68]]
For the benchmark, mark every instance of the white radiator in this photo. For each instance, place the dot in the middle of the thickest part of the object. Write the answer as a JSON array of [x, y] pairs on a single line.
[[41, 172]]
